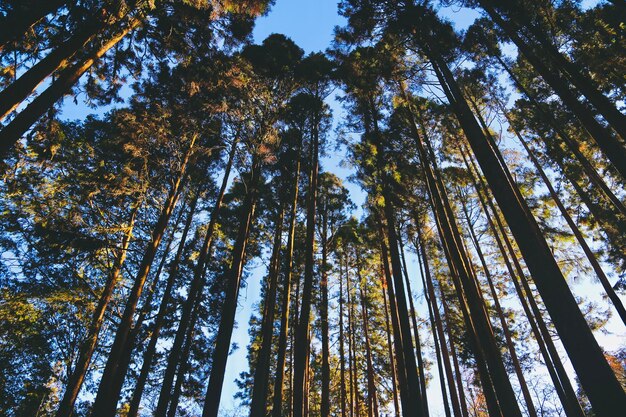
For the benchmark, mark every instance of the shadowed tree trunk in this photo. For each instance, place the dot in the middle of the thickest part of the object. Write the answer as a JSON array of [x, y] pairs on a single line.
[[302, 335], [392, 359], [286, 297], [258, 405], [596, 376], [227, 320], [195, 289]]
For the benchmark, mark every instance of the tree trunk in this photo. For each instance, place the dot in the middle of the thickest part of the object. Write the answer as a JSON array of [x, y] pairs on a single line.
[[195, 290], [160, 318], [75, 382], [418, 343], [227, 320], [438, 332], [372, 402], [58, 59], [545, 49], [12, 132], [325, 374], [617, 302], [505, 327], [544, 339], [106, 400], [342, 350], [413, 401], [302, 337], [464, 281], [596, 376], [392, 360], [352, 353], [286, 297], [258, 404]]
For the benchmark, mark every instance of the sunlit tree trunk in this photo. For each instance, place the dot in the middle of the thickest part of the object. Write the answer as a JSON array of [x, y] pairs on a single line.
[[85, 354], [13, 131]]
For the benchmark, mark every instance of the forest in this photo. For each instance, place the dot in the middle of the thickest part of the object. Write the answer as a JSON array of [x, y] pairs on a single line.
[[478, 270]]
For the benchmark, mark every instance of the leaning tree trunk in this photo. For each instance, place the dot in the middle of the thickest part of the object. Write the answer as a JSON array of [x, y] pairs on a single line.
[[548, 61], [227, 320], [485, 347], [159, 321], [106, 400], [195, 289], [418, 343], [372, 401], [551, 357], [77, 376], [58, 59], [613, 149], [12, 132], [617, 302], [592, 368], [438, 332], [532, 412], [392, 359]]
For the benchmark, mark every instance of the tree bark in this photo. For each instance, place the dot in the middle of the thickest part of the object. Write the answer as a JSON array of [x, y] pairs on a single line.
[[160, 318], [302, 336], [392, 359], [258, 404]]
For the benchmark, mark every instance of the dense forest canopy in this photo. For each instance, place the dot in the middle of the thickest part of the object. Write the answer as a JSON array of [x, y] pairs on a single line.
[[483, 275]]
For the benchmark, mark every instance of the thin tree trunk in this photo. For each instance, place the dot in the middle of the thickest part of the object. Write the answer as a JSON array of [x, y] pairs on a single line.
[[12, 132], [485, 347], [258, 404], [106, 400], [352, 354], [418, 343], [413, 402], [160, 318], [227, 320], [372, 402], [195, 290], [302, 338], [544, 339], [75, 382], [613, 149], [505, 327], [325, 374], [392, 360], [438, 323], [617, 302], [596, 376], [284, 320], [342, 350]]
